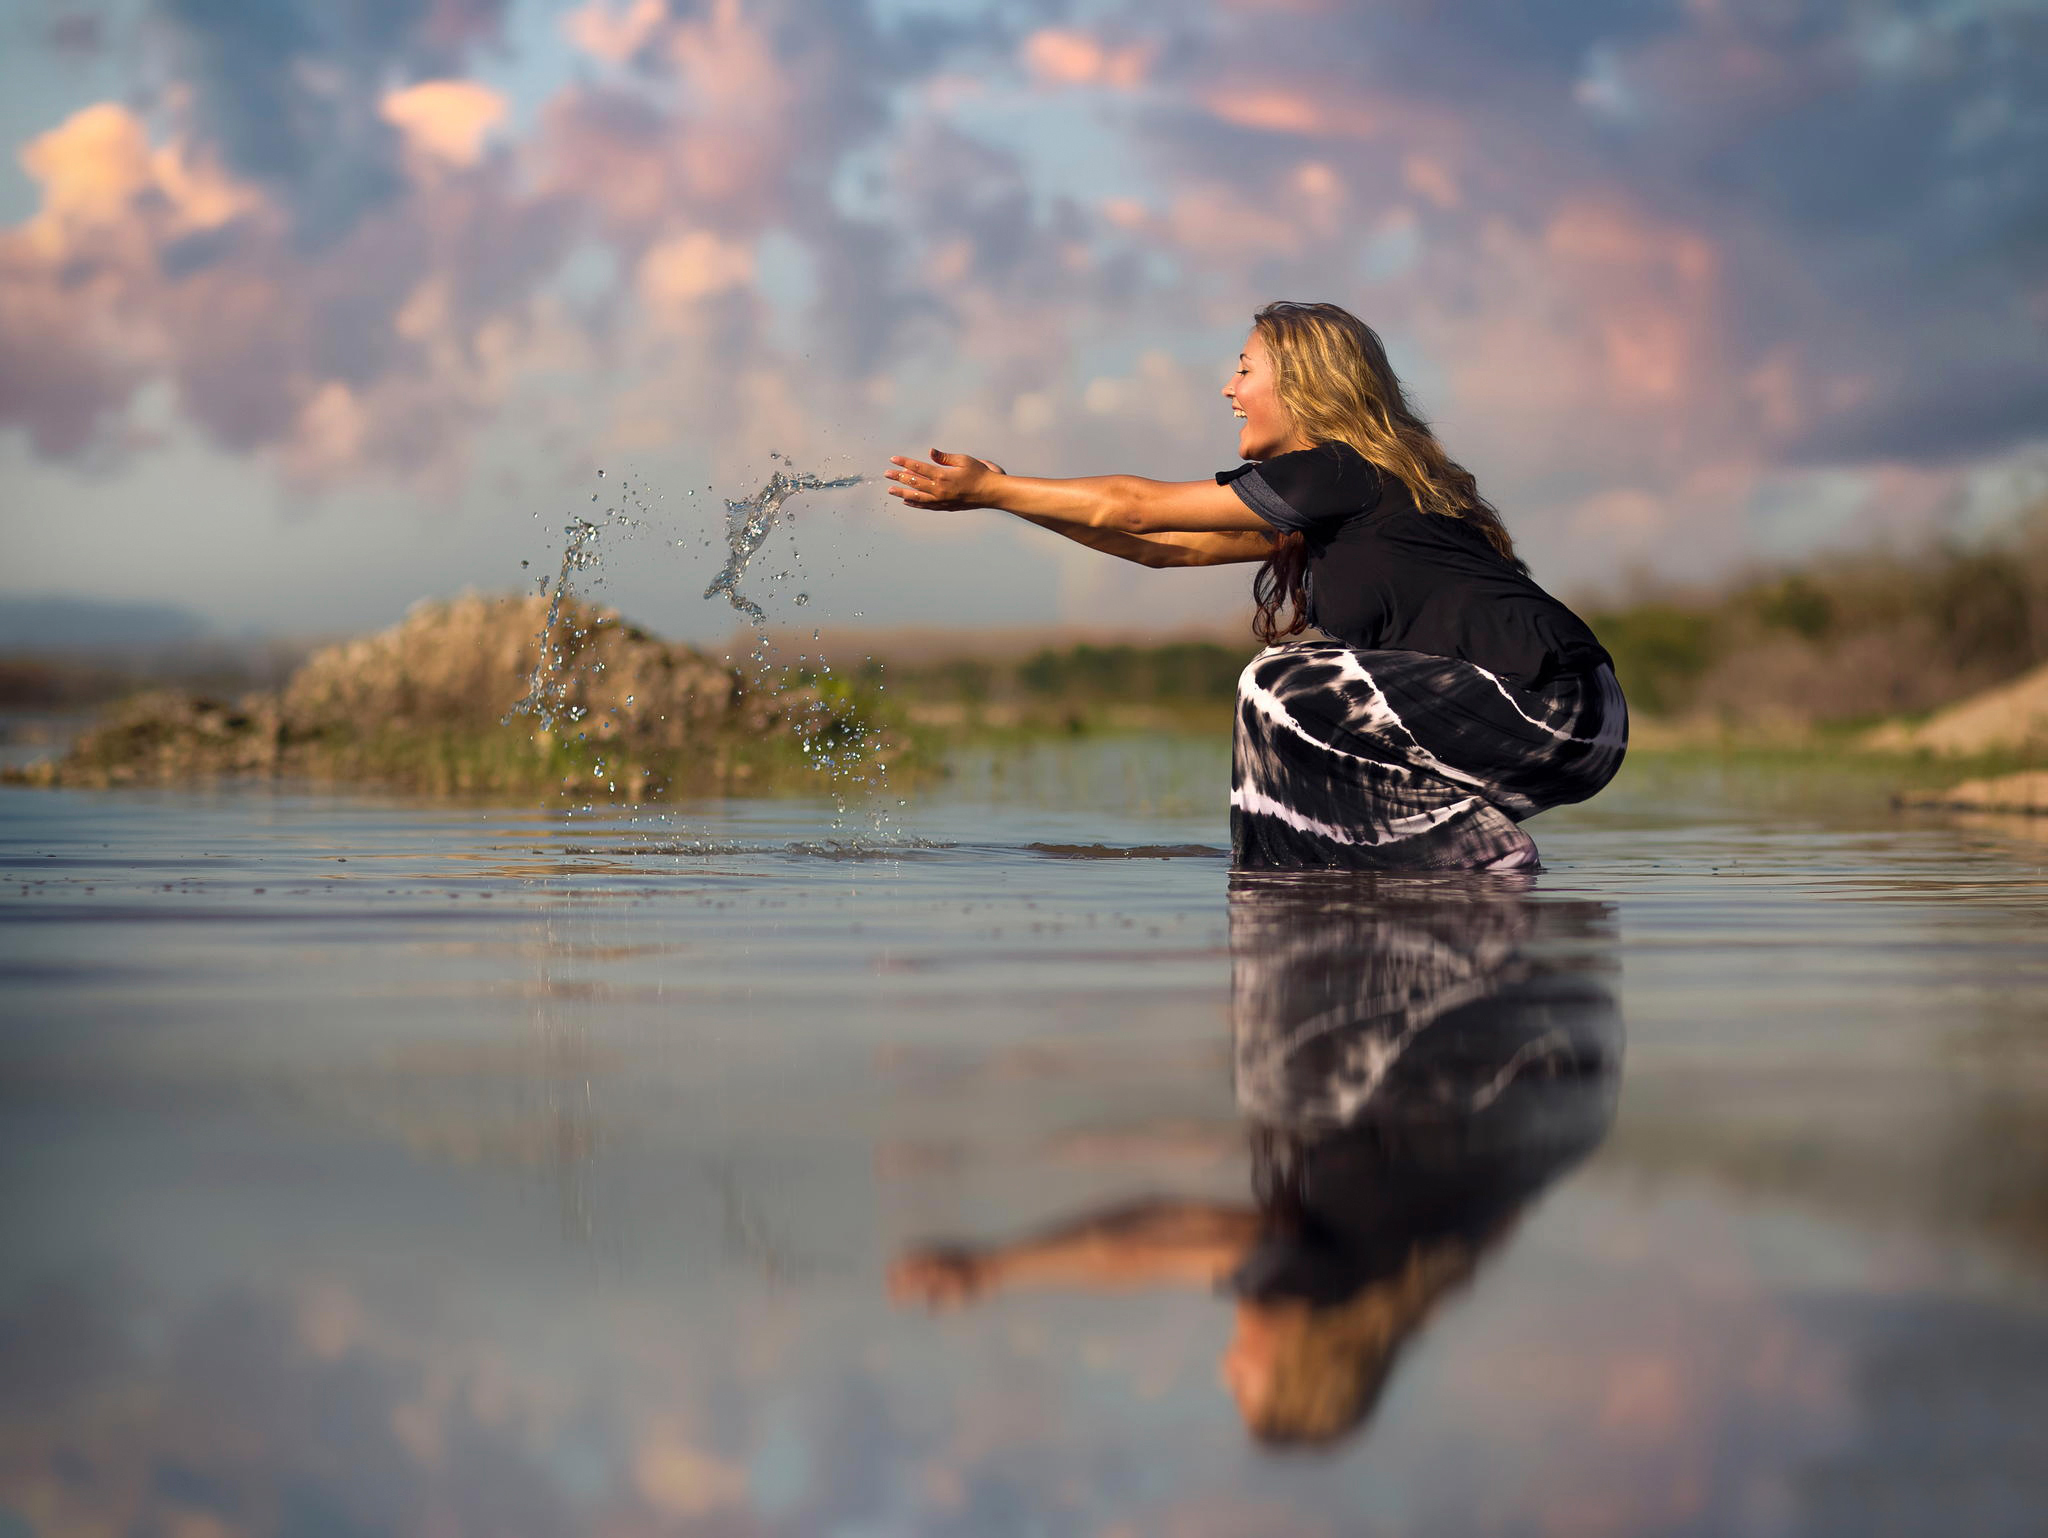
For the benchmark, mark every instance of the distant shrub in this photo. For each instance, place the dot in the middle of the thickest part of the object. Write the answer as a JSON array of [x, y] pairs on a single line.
[[1659, 651], [1176, 672], [1841, 638]]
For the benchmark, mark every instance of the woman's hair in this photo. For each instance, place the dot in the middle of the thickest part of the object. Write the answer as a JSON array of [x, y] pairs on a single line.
[[1330, 371]]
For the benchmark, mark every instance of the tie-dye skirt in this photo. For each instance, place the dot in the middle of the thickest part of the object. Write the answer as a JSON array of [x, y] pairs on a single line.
[[1385, 760]]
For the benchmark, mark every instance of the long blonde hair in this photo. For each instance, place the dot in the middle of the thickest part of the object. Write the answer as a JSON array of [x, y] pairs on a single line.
[[1331, 372]]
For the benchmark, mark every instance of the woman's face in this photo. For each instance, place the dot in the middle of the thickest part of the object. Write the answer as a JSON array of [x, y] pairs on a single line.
[[1264, 426]]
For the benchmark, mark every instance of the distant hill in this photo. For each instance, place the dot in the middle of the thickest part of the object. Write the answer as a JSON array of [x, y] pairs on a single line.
[[34, 624]]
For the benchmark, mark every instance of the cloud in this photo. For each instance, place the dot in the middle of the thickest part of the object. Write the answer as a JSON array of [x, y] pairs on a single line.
[[1065, 56], [690, 267], [288, 93], [149, 261], [446, 119], [1632, 256], [612, 33]]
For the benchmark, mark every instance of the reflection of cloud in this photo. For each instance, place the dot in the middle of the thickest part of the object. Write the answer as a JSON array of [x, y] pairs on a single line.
[[248, 1414], [678, 1478], [1644, 1365]]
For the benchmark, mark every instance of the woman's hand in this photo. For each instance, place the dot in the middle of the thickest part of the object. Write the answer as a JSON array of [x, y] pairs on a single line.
[[938, 1277], [948, 483]]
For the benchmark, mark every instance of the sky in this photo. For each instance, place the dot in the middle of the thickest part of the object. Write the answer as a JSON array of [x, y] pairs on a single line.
[[309, 310]]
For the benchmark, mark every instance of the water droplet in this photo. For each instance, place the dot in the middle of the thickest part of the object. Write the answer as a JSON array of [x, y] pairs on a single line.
[[802, 599]]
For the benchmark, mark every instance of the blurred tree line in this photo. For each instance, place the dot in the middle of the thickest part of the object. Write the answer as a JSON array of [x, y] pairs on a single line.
[[1841, 640]]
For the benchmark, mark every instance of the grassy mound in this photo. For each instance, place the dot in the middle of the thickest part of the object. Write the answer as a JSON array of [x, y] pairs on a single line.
[[495, 696]]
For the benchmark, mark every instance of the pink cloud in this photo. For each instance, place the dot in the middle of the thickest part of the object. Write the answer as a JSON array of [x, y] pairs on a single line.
[[1066, 56], [446, 120], [145, 261], [615, 33]]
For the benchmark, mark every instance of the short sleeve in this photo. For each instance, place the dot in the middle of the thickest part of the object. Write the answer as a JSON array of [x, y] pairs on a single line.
[[1308, 488]]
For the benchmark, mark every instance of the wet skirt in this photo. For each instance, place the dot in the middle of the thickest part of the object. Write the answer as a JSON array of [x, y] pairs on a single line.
[[1386, 760]]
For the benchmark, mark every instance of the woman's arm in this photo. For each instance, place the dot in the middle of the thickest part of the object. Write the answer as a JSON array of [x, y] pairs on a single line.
[[1116, 504], [1147, 1244], [1163, 550]]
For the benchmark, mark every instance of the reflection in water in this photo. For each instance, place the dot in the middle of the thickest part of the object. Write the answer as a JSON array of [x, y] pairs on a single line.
[[1416, 1059]]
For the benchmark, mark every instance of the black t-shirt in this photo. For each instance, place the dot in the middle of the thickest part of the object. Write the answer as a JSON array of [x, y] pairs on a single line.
[[1385, 576]]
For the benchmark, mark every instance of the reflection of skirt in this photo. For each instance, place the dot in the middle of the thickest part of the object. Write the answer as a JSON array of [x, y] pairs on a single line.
[[1383, 760]]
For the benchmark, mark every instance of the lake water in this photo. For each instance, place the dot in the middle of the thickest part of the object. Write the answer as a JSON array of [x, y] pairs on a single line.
[[372, 1167]]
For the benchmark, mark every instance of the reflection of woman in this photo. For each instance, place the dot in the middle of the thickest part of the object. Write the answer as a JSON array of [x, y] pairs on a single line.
[[1413, 1080], [1452, 697]]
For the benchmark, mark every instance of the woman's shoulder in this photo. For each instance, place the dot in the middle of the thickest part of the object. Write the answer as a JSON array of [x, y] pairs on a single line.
[[1326, 481]]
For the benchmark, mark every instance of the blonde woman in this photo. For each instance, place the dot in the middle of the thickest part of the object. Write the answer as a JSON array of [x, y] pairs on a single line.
[[1449, 699]]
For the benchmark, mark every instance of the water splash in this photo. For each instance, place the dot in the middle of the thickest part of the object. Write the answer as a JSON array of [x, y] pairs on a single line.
[[547, 691], [848, 751], [824, 710], [748, 523]]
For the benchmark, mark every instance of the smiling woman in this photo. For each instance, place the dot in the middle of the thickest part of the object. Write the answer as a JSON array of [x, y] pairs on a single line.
[[1453, 698]]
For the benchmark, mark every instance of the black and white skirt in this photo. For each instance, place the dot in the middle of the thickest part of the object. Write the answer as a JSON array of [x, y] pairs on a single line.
[[1385, 760]]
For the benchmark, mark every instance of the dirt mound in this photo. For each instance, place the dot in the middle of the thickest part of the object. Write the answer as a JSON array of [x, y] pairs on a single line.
[[2011, 717], [2026, 792], [468, 662], [479, 694]]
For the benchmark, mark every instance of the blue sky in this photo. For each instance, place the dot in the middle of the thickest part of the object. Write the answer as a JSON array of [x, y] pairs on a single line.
[[310, 310]]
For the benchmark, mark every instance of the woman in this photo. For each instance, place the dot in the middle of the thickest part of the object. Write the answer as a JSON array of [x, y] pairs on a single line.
[[1452, 699], [1414, 1073]]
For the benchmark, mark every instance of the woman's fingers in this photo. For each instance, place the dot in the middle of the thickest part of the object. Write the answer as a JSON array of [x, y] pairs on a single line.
[[912, 497], [923, 483], [917, 494]]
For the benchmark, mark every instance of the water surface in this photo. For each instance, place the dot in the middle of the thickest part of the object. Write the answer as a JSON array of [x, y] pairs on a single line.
[[373, 1167]]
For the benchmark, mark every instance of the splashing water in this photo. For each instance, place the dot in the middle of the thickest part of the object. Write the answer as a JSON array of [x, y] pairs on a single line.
[[832, 731], [749, 522], [847, 751], [547, 690]]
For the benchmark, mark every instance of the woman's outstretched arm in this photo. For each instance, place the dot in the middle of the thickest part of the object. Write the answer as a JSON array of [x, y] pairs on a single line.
[[1164, 549], [1155, 523]]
